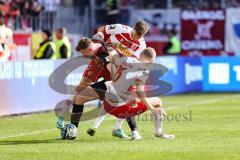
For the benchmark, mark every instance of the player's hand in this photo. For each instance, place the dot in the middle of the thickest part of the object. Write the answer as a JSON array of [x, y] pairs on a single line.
[[159, 110], [78, 89], [98, 36]]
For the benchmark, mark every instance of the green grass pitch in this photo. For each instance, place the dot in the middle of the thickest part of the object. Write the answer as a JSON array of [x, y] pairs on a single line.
[[207, 127]]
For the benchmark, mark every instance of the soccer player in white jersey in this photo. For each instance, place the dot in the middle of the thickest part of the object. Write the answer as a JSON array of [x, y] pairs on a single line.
[[124, 107], [127, 41], [125, 95]]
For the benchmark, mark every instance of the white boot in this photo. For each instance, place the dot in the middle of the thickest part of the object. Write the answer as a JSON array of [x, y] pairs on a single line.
[[164, 135], [158, 125], [135, 135]]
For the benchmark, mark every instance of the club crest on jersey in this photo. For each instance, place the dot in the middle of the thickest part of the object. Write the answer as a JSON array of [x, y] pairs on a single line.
[[123, 50], [111, 27]]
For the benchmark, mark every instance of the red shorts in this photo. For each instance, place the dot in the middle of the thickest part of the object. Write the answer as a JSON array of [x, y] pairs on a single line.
[[125, 111]]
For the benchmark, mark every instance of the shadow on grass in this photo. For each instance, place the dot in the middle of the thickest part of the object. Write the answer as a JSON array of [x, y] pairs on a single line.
[[56, 141], [19, 142]]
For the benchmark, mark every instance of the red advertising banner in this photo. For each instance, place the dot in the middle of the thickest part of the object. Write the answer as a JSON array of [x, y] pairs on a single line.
[[23, 49], [202, 32]]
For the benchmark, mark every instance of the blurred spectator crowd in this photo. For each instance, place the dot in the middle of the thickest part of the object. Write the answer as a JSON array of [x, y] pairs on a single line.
[[185, 4], [24, 14], [14, 9]]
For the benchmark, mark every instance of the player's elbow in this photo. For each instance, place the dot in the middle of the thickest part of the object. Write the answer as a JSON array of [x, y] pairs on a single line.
[[140, 93], [101, 29]]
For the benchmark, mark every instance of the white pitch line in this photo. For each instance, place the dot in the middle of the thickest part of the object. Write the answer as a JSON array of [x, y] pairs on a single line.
[[169, 108], [43, 131], [213, 100], [30, 133]]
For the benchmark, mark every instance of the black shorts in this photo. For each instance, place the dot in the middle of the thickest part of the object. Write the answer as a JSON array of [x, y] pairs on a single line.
[[100, 88]]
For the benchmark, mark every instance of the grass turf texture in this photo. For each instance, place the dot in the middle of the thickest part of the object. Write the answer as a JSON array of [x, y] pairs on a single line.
[[213, 132]]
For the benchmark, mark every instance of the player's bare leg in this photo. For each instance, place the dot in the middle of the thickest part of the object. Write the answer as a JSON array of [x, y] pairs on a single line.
[[62, 114], [86, 95], [158, 120], [117, 131], [135, 135], [98, 121]]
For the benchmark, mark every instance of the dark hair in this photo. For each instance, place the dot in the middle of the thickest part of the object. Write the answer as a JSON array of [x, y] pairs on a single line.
[[2, 22], [173, 32], [47, 32], [141, 28], [83, 43], [62, 31]]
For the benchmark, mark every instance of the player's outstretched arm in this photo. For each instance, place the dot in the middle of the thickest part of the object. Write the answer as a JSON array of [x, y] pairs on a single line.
[[142, 95], [101, 29], [112, 67], [147, 102], [99, 36], [84, 83]]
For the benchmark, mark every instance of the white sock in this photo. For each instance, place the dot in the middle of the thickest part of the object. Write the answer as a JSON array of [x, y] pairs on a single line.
[[158, 123], [64, 110], [118, 123], [100, 118]]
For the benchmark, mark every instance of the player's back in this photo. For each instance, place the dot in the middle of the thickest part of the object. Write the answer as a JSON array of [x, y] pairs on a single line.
[[120, 89], [120, 37]]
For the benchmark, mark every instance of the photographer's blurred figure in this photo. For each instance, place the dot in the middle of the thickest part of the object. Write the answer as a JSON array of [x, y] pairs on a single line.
[[173, 47], [112, 11], [5, 37], [47, 49], [63, 44]]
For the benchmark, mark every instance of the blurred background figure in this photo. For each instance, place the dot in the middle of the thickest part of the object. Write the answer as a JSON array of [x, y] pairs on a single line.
[[5, 37], [112, 11], [173, 47], [50, 11], [47, 48], [63, 45]]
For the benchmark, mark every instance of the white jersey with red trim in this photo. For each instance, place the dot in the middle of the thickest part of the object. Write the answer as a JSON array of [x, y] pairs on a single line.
[[120, 37], [120, 90], [5, 35]]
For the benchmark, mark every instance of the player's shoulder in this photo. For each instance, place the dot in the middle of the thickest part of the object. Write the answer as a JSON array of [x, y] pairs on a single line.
[[126, 27], [142, 41], [102, 50], [120, 27], [132, 59]]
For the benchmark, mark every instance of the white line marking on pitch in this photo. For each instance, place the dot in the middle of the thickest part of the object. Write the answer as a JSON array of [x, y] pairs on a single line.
[[203, 102], [169, 108], [30, 133], [42, 131]]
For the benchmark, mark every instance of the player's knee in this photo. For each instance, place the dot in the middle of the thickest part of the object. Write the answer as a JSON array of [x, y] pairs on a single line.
[[160, 102], [157, 102], [78, 100], [75, 99]]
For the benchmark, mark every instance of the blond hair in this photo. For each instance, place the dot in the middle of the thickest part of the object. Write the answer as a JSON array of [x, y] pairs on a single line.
[[141, 28]]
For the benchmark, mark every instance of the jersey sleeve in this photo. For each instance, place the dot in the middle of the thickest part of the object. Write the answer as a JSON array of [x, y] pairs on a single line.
[[118, 59], [140, 49], [142, 76], [9, 33], [116, 29]]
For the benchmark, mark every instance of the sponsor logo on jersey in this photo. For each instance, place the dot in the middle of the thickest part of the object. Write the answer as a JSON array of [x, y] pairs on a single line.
[[111, 27], [123, 50]]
